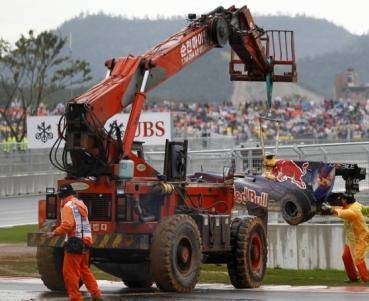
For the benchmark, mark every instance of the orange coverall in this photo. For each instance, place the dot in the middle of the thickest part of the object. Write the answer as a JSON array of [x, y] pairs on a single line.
[[76, 266], [356, 240]]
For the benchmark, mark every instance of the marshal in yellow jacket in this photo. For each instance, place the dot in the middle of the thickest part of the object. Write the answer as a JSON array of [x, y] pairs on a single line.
[[355, 229]]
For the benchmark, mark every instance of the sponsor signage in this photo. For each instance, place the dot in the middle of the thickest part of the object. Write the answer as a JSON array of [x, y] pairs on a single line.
[[42, 131], [250, 195], [193, 47], [153, 129], [288, 170]]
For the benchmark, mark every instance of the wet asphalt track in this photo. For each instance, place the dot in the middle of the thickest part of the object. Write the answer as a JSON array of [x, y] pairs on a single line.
[[27, 289]]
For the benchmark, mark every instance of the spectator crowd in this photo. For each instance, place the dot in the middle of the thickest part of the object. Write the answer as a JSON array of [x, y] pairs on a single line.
[[300, 119]]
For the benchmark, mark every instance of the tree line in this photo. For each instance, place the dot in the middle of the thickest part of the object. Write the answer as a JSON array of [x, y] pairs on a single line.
[[31, 71]]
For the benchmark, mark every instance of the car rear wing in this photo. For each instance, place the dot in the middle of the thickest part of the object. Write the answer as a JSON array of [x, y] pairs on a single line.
[[352, 174]]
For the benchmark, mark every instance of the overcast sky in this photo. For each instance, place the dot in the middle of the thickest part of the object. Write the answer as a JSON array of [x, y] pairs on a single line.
[[18, 16]]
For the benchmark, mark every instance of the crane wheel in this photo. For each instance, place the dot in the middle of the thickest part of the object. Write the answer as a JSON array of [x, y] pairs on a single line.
[[50, 263], [175, 254], [50, 267], [248, 258]]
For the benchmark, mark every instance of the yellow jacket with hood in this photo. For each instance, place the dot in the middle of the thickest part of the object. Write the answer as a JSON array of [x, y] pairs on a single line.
[[356, 230]]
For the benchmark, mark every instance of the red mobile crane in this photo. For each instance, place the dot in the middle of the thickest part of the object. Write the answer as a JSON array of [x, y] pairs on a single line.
[[158, 227]]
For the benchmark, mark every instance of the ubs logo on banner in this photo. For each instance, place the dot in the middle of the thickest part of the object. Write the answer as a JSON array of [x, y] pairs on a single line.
[[153, 128], [44, 132], [145, 129]]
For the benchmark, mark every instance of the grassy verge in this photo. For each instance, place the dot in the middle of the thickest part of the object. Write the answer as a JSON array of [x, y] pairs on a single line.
[[214, 273], [16, 266], [26, 266], [17, 234]]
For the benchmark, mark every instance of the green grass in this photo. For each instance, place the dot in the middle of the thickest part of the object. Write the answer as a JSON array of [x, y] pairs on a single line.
[[16, 266], [306, 277], [17, 234], [26, 266], [99, 274], [210, 273], [215, 273]]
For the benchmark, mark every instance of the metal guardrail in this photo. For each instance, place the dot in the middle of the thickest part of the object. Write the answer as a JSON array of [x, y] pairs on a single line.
[[250, 158], [28, 184], [30, 164]]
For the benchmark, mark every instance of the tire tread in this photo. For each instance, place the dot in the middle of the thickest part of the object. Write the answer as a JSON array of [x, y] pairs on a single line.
[[160, 255], [238, 269]]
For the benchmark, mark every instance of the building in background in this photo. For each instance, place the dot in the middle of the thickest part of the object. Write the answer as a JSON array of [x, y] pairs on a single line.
[[348, 86]]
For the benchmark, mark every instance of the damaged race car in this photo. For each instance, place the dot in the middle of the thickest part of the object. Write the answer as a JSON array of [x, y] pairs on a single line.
[[298, 188], [295, 188]]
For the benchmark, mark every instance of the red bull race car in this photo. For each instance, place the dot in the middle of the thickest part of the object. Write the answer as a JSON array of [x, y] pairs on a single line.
[[296, 188]]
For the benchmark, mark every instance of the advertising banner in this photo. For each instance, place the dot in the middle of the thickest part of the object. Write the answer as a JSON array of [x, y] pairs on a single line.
[[153, 128], [42, 131]]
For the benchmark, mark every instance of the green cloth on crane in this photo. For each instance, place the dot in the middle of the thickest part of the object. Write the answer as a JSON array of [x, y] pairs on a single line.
[[269, 86]]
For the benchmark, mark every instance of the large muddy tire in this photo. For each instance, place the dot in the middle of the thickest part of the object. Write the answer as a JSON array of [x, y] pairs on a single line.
[[50, 267], [50, 263], [296, 210], [247, 262], [175, 254]]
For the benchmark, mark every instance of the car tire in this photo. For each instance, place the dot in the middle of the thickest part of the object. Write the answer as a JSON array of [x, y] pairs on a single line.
[[297, 209]]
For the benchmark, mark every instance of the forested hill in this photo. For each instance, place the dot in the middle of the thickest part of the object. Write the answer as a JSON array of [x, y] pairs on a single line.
[[98, 37], [321, 69]]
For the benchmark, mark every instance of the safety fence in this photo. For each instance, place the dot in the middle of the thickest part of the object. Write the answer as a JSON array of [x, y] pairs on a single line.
[[250, 159], [33, 170]]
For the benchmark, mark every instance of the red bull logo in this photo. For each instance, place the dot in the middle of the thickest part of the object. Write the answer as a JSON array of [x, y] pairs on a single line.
[[325, 181], [249, 195], [288, 170]]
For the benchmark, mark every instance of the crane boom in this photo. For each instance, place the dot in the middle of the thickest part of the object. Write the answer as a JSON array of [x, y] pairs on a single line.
[[93, 151]]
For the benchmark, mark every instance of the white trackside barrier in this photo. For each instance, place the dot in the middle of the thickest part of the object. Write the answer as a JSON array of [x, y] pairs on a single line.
[[306, 246], [24, 184]]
